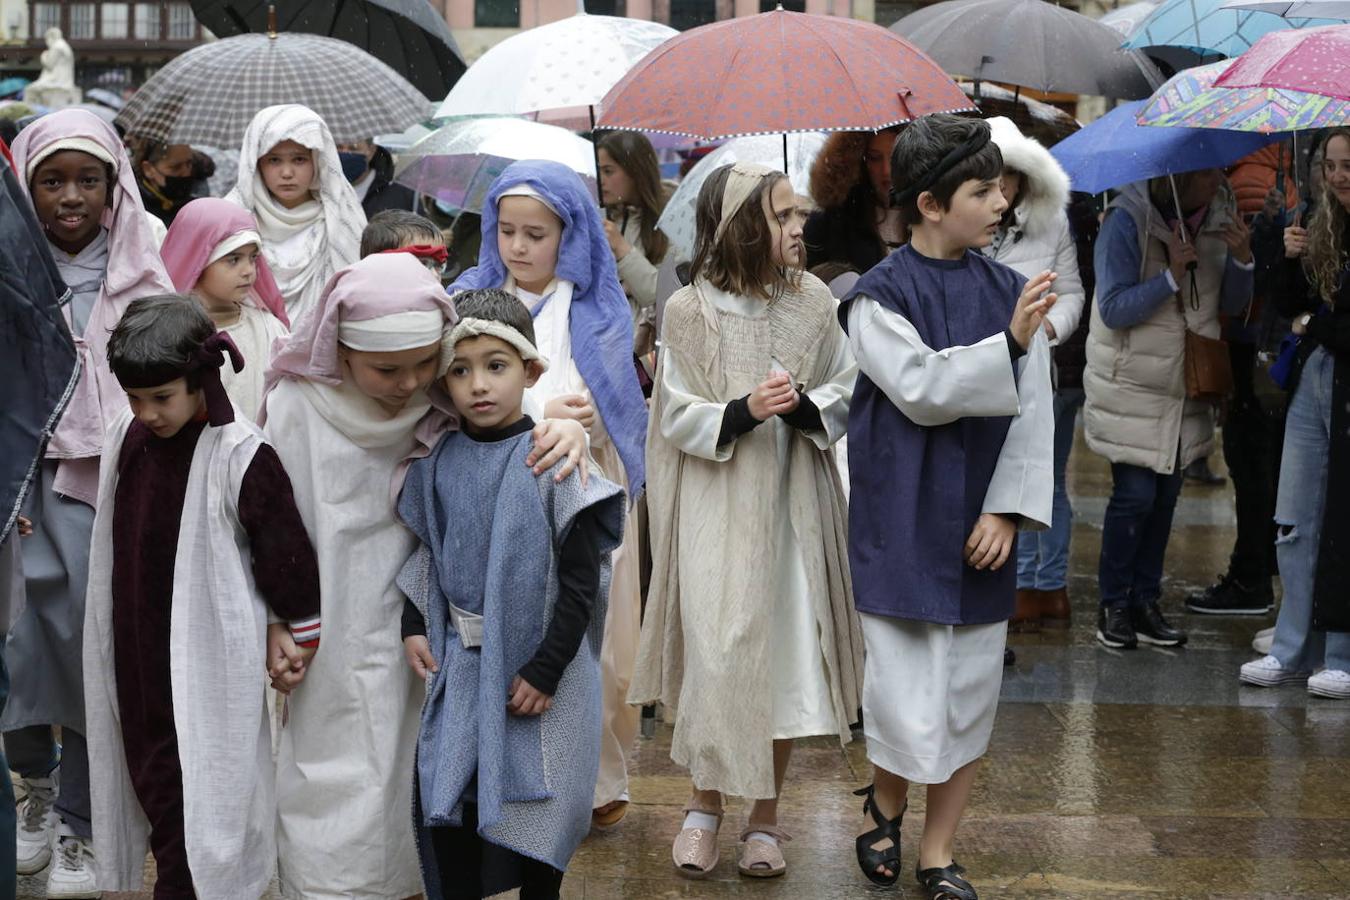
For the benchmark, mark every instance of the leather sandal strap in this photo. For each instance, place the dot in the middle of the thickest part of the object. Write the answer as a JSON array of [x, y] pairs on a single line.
[[946, 883], [710, 812]]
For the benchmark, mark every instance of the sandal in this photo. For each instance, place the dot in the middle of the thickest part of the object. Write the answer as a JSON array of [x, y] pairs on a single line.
[[945, 883], [606, 817], [695, 851], [869, 858], [762, 859]]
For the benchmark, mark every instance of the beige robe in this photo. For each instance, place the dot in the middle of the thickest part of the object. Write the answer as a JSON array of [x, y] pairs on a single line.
[[706, 636]]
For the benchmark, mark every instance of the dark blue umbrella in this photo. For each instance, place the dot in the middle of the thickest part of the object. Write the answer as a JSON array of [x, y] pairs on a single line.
[[1116, 150]]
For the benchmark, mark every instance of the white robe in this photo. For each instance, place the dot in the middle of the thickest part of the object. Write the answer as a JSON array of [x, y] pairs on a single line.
[[217, 643], [253, 333], [344, 772]]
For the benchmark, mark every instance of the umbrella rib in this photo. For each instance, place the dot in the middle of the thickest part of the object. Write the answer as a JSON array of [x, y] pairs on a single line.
[[829, 45]]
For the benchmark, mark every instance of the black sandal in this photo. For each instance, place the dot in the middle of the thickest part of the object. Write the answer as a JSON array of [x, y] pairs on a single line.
[[945, 883], [869, 858]]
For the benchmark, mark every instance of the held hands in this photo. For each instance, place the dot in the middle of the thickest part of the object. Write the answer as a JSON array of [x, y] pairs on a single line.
[[1029, 314], [287, 662], [555, 439], [571, 406], [990, 542], [1295, 238], [417, 651], [1181, 253], [774, 397], [618, 245], [526, 700], [1238, 237]]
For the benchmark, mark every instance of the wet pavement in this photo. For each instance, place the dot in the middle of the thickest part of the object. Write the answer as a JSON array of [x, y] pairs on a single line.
[[1146, 773]]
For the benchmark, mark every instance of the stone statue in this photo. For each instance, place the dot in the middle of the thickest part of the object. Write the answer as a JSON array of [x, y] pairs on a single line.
[[56, 87]]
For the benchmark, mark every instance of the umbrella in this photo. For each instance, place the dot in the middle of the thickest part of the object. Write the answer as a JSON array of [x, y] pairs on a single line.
[[1190, 100], [1115, 150], [1125, 19], [677, 221], [1325, 9], [1029, 43], [1047, 124], [555, 72], [13, 86], [105, 97], [1315, 60], [780, 72], [1184, 32], [407, 35], [209, 94], [458, 162]]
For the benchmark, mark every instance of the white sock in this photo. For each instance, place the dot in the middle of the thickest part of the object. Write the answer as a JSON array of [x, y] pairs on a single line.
[[706, 821], [762, 836]]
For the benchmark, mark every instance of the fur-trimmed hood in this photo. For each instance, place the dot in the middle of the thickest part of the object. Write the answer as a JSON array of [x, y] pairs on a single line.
[[839, 168], [1045, 188]]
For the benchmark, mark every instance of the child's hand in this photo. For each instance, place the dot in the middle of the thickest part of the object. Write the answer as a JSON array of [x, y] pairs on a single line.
[[287, 662], [1031, 308], [774, 396], [527, 700], [417, 651], [571, 406], [558, 438], [25, 526], [990, 542]]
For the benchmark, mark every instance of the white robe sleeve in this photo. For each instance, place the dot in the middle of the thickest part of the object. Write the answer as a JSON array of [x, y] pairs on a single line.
[[689, 421], [1023, 484], [930, 387], [833, 395]]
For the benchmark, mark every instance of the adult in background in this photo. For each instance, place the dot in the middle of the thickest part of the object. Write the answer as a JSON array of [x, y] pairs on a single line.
[[370, 169], [1158, 276], [851, 183], [170, 176]]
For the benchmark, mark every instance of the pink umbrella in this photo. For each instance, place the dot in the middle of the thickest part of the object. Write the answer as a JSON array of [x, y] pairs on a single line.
[[1313, 60], [780, 72]]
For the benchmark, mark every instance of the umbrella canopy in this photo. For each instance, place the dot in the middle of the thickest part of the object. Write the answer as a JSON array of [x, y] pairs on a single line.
[[458, 162], [1029, 43], [677, 221], [1191, 100], [407, 35], [562, 68], [1047, 124], [1324, 9], [1115, 150], [1125, 19], [1316, 60], [1184, 32], [209, 94], [780, 72]]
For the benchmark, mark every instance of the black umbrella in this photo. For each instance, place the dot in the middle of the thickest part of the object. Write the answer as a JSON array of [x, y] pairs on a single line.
[[406, 35]]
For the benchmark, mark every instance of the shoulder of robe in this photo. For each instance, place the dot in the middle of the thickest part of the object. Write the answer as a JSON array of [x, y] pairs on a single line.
[[684, 325]]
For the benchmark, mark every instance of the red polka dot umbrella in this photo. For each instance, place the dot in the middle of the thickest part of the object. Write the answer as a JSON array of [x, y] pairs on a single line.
[[780, 72]]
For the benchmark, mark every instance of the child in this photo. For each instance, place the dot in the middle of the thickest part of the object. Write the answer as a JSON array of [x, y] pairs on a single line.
[[79, 178], [544, 242], [196, 538], [517, 602], [397, 229], [630, 182], [213, 252], [291, 179], [940, 476], [346, 408], [749, 631]]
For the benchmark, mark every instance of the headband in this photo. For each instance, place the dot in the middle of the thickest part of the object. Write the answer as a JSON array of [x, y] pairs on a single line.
[[82, 144], [968, 148], [394, 332], [742, 180], [467, 328], [232, 243], [434, 252], [524, 190]]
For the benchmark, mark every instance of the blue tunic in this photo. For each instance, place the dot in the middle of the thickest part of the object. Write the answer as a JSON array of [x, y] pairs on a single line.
[[917, 491]]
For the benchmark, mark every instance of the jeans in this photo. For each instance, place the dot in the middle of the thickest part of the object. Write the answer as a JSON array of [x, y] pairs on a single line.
[[1251, 448], [1043, 556], [34, 753], [1135, 531], [1298, 516]]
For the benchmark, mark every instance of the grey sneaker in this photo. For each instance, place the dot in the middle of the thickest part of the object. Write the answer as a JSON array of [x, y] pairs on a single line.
[[36, 829]]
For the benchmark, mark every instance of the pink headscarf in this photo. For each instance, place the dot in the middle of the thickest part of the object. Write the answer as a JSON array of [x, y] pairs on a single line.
[[134, 270], [196, 231]]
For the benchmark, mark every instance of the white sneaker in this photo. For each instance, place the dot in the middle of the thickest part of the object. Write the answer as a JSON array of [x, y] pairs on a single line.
[[36, 826], [72, 875], [1267, 672], [1332, 683], [1264, 638]]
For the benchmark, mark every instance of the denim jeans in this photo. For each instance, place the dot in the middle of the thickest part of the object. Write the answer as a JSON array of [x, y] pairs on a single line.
[[1298, 517], [1043, 556], [1135, 531]]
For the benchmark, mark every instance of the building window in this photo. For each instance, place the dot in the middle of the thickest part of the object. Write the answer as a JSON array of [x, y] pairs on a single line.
[[182, 24], [496, 14], [606, 7], [692, 13], [45, 15], [147, 21], [789, 5], [888, 12], [113, 21], [82, 27]]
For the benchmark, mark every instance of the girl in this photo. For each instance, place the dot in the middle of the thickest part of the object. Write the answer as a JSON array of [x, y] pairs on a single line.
[[80, 180], [747, 514], [212, 251], [291, 179], [630, 185], [1309, 509], [346, 407], [543, 241]]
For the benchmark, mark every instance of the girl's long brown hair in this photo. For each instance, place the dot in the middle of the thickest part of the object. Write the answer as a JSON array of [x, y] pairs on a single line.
[[1325, 260], [742, 261], [632, 152]]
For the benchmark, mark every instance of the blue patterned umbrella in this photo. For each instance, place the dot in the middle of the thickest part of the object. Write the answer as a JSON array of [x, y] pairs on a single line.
[[1185, 32]]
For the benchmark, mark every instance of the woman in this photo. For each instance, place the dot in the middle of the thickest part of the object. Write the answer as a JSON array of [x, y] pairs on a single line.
[[1310, 505], [851, 183], [170, 177], [630, 185], [1158, 276]]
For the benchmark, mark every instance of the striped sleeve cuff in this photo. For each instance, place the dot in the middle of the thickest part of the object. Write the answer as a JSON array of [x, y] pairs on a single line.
[[306, 631]]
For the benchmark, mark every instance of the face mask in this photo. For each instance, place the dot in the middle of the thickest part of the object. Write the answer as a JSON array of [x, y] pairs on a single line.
[[178, 187], [354, 165]]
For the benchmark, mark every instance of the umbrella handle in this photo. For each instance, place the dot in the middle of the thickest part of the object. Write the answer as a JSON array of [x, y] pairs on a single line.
[[595, 152]]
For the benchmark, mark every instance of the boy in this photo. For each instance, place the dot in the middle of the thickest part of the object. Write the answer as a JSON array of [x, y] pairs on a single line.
[[196, 536], [396, 230], [950, 445], [505, 619]]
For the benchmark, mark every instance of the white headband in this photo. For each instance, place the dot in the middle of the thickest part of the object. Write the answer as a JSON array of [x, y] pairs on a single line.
[[467, 328], [524, 190], [742, 180], [394, 332], [232, 243], [84, 145]]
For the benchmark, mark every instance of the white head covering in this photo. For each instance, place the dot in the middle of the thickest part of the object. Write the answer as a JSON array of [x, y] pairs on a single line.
[[468, 328], [742, 180], [524, 190], [233, 243]]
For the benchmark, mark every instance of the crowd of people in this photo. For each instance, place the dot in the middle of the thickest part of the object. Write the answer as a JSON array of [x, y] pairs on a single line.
[[337, 573]]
